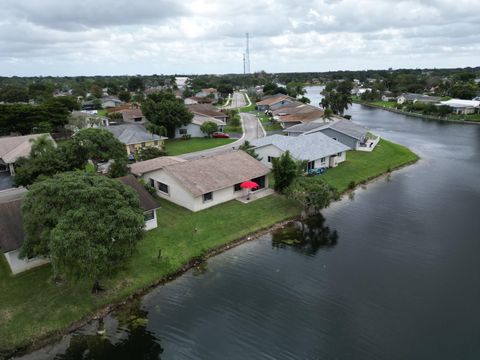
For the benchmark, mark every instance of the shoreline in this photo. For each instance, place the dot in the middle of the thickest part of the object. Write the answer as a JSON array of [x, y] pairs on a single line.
[[51, 338], [421, 116]]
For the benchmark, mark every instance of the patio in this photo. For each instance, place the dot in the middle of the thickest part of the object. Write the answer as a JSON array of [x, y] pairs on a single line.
[[255, 195]]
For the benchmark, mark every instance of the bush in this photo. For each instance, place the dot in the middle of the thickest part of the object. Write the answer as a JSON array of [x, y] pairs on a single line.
[[351, 185]]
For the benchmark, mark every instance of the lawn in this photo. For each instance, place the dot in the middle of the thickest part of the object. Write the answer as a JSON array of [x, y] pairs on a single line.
[[32, 306], [387, 104], [470, 117], [362, 166], [180, 146], [247, 108], [268, 125]]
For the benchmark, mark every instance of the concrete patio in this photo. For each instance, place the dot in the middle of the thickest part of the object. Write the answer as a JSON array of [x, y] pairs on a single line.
[[255, 195]]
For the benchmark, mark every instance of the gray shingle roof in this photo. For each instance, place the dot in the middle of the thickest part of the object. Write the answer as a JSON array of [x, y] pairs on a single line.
[[306, 147], [346, 127], [132, 133], [301, 128]]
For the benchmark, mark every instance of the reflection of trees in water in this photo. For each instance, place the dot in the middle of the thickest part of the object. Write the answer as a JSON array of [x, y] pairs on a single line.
[[140, 343], [307, 236]]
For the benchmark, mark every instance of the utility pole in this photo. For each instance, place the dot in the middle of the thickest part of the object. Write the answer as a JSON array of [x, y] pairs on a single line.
[[244, 68], [247, 55]]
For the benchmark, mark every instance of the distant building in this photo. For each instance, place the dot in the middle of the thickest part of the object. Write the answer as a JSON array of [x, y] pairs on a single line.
[[464, 107], [413, 98]]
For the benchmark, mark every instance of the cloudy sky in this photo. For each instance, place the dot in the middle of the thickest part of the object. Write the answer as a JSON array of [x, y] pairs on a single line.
[[71, 37]]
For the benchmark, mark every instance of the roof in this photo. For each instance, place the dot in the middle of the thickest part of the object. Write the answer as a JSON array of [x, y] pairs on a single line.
[[420, 97], [147, 202], [346, 127], [207, 174], [306, 147], [132, 133], [274, 99], [206, 110], [209, 90], [11, 225], [131, 113], [199, 119], [142, 167], [461, 103], [302, 117], [301, 128], [14, 147]]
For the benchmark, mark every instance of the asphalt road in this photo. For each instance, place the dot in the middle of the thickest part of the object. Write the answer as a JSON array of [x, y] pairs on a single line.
[[238, 101]]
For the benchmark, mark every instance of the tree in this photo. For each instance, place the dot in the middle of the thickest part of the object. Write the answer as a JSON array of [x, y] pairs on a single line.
[[285, 170], [209, 127], [124, 96], [313, 193], [92, 224], [295, 89], [249, 149], [337, 96], [14, 93], [147, 153], [164, 110], [136, 84], [99, 144], [304, 100]]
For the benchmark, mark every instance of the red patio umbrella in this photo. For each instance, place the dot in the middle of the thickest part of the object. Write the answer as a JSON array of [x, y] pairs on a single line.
[[249, 185]]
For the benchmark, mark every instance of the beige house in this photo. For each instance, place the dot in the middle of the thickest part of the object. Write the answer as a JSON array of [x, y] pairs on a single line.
[[14, 147], [204, 182]]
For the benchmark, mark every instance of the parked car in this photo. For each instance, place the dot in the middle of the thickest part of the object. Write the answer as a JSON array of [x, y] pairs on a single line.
[[220, 135]]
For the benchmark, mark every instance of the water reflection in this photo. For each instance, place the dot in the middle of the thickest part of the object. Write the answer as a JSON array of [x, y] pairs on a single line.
[[129, 339], [307, 236]]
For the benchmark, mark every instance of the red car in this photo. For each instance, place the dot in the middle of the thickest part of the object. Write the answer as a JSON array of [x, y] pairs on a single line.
[[220, 135]]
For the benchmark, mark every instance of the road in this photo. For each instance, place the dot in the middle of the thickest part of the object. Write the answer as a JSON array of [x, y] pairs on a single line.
[[238, 101]]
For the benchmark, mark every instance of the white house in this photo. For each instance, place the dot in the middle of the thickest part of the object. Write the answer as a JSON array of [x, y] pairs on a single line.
[[203, 182], [14, 147], [317, 149], [193, 129], [460, 106], [110, 102]]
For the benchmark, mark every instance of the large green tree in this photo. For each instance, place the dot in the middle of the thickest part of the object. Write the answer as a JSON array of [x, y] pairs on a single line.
[[99, 144], [209, 127], [14, 93], [337, 96], [285, 170], [163, 110], [313, 193], [91, 227]]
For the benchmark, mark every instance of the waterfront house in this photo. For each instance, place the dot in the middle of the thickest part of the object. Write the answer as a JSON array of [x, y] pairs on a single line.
[[464, 107], [295, 113], [274, 102], [414, 98], [135, 137], [203, 182], [14, 147], [317, 149]]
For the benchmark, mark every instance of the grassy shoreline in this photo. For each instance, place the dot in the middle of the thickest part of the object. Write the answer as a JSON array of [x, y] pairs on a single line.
[[36, 311]]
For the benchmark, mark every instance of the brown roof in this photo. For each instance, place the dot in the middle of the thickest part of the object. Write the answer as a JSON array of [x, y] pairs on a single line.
[[132, 105], [302, 117], [216, 172], [209, 90], [131, 113], [273, 99], [14, 147], [205, 109], [147, 202], [142, 167], [11, 226]]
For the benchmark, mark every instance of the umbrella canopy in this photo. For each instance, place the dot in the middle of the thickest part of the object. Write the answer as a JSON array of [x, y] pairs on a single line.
[[249, 185]]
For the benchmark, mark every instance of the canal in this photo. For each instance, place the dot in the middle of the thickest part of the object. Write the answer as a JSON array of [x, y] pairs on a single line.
[[391, 272]]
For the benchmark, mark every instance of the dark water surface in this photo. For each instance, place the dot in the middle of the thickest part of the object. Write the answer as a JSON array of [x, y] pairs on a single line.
[[393, 273]]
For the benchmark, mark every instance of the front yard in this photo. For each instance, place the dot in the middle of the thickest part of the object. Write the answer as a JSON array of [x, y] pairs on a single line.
[[33, 306], [175, 147]]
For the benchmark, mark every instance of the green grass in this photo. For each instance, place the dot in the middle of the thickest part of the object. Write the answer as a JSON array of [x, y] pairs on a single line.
[[247, 108], [388, 104], [180, 146], [233, 129], [362, 166], [33, 307], [102, 112], [268, 125], [470, 117]]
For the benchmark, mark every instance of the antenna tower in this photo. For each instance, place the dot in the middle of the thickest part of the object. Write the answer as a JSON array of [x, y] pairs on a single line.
[[247, 55]]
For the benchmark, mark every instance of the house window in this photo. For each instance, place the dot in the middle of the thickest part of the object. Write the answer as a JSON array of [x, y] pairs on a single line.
[[339, 154], [310, 165], [149, 215], [322, 160], [162, 187], [334, 138], [137, 119], [143, 144], [270, 158], [182, 131], [237, 187], [208, 197], [152, 183]]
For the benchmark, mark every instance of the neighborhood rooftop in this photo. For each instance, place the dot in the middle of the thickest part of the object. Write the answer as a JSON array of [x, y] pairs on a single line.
[[14, 147], [205, 109], [273, 99], [201, 119], [142, 167], [132, 133], [306, 147], [147, 202], [348, 128]]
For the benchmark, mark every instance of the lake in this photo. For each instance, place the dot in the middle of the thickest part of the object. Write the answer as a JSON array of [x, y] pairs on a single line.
[[391, 272]]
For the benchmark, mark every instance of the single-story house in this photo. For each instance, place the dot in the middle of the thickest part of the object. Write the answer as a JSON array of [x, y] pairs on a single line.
[[14, 147], [274, 102], [133, 116], [388, 96], [413, 98], [317, 149], [147, 202], [208, 110], [203, 182], [110, 102], [297, 113], [460, 106], [348, 133], [193, 129], [135, 137]]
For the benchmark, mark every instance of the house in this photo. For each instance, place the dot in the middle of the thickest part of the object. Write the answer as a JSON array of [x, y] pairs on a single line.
[[274, 102], [12, 237], [147, 202], [83, 119], [135, 137], [190, 101], [89, 105], [133, 116], [210, 92], [388, 96], [317, 149], [355, 136], [14, 147], [110, 102], [193, 129], [464, 107], [296, 112], [208, 110], [413, 98], [203, 182]]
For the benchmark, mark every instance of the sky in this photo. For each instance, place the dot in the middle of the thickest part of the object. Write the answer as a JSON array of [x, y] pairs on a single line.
[[117, 37]]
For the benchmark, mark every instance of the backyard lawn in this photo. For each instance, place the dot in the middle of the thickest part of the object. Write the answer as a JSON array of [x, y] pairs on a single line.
[[179, 146], [362, 166], [32, 305], [388, 104]]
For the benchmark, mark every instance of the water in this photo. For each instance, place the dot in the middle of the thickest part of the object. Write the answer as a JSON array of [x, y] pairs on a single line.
[[393, 273]]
